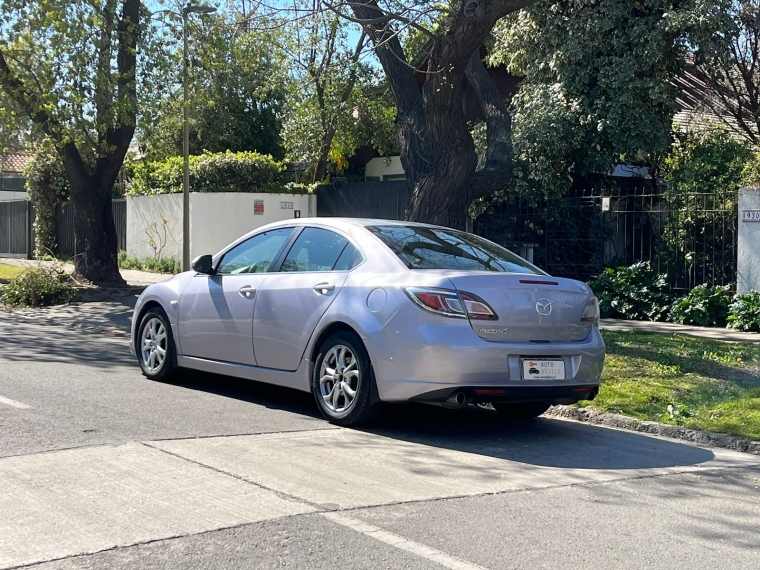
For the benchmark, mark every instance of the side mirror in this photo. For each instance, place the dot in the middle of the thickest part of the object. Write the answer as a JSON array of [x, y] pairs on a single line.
[[203, 264]]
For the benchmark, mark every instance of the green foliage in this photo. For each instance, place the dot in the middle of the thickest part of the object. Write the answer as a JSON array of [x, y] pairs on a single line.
[[222, 172], [162, 265], [237, 80], [751, 173], [37, 288], [703, 161], [597, 86], [703, 306], [636, 292], [745, 312], [48, 187]]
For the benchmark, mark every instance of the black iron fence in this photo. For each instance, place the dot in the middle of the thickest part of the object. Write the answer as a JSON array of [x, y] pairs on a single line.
[[64, 227], [692, 237], [16, 233]]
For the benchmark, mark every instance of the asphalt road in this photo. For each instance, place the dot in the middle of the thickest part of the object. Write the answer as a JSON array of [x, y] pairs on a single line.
[[101, 468]]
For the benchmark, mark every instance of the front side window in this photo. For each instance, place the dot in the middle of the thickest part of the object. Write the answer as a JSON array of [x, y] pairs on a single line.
[[254, 255], [315, 250], [438, 248]]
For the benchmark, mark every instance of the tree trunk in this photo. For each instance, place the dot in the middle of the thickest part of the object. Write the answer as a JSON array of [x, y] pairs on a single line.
[[94, 230]]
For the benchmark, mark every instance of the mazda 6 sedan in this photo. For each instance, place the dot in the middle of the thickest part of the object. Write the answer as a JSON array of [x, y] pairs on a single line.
[[362, 312]]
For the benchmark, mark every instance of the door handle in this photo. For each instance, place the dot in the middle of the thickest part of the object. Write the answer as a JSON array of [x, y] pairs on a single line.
[[246, 291], [324, 288]]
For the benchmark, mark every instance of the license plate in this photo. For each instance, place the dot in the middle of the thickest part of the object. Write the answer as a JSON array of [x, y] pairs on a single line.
[[543, 369]]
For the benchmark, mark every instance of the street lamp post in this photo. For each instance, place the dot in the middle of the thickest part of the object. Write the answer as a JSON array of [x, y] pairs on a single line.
[[186, 11]]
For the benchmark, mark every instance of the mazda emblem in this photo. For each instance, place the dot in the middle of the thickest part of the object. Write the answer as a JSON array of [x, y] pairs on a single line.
[[544, 307]]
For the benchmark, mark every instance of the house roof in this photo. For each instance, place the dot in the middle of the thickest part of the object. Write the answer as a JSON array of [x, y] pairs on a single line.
[[700, 107], [14, 161]]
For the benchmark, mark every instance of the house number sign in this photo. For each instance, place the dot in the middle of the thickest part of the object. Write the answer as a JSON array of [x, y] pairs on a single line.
[[750, 215]]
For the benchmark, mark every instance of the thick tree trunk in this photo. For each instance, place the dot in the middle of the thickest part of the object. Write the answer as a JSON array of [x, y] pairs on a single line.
[[95, 234], [437, 151]]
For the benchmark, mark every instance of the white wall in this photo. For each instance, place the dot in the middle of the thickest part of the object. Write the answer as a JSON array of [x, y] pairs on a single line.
[[377, 167], [9, 195], [748, 263], [142, 211], [220, 218], [216, 219]]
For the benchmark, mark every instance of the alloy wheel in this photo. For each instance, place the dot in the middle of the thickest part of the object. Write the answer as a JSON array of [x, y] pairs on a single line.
[[153, 345], [339, 379]]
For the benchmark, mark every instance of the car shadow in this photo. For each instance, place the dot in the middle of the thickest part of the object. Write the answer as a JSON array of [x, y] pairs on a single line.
[[543, 441]]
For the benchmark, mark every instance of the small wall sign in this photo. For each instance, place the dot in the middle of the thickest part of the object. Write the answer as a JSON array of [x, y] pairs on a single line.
[[258, 207], [296, 213], [286, 205], [750, 215]]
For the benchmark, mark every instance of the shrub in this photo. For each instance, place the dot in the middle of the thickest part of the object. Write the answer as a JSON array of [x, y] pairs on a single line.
[[161, 265], [37, 288], [635, 292], [744, 312], [221, 172], [704, 306]]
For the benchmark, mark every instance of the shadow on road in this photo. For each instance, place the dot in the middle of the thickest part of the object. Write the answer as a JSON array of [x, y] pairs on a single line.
[[544, 441]]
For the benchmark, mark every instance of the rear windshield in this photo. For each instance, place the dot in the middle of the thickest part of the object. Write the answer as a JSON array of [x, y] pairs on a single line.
[[437, 248]]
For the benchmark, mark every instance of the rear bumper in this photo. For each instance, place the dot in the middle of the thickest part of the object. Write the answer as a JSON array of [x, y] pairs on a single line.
[[491, 394], [430, 359]]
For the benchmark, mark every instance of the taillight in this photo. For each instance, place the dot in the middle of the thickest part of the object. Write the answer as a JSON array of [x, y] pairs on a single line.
[[451, 303], [591, 312]]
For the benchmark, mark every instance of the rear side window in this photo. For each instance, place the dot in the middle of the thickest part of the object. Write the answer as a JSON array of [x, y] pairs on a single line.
[[315, 250], [437, 248]]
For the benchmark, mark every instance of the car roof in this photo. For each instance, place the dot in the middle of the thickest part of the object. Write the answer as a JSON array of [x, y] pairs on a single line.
[[342, 222]]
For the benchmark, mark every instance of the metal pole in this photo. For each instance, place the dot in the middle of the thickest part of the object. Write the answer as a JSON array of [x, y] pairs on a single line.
[[186, 154]]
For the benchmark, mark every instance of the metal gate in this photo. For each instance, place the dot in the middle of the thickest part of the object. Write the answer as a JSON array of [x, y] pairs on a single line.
[[64, 227], [16, 237]]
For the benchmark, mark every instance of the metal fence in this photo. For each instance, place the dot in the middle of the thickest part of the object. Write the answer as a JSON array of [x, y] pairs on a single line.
[[64, 227], [12, 182], [691, 237], [383, 200], [16, 234]]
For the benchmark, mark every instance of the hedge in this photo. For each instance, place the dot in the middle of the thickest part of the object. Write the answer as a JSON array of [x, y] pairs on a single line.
[[220, 172]]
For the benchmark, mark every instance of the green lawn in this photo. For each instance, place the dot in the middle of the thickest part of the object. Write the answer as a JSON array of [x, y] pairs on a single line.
[[8, 272], [698, 383]]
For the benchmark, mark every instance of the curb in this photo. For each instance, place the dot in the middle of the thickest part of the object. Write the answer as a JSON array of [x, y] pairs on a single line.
[[95, 294], [705, 438]]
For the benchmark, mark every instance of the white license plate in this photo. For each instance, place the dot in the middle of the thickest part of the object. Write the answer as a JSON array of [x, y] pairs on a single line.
[[543, 369]]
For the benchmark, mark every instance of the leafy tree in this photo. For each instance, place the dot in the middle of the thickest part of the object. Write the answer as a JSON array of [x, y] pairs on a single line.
[[726, 38], [597, 87], [334, 107], [437, 150], [237, 78], [71, 67]]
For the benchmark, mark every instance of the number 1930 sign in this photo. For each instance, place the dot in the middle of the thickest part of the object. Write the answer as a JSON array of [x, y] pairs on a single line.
[[750, 215]]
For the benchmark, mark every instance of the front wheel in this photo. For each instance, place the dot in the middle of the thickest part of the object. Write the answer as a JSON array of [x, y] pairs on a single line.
[[155, 346], [342, 380], [522, 410]]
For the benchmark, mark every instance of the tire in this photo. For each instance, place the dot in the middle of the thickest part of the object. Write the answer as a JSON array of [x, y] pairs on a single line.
[[154, 346], [521, 411], [353, 374]]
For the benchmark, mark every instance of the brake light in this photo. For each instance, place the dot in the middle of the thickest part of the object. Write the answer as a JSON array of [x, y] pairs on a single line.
[[451, 303], [591, 312]]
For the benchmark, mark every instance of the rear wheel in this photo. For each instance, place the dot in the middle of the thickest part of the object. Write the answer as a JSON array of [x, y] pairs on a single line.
[[522, 410], [155, 346], [342, 380]]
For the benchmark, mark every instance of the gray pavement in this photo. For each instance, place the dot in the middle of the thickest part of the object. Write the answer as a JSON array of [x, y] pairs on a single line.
[[102, 469]]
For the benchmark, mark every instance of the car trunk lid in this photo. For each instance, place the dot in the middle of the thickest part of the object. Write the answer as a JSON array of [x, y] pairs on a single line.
[[528, 307]]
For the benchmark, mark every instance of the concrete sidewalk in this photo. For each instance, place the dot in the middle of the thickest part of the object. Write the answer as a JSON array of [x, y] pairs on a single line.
[[714, 333], [132, 277]]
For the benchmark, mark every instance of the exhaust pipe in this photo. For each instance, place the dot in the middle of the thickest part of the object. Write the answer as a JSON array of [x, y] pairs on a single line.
[[456, 400]]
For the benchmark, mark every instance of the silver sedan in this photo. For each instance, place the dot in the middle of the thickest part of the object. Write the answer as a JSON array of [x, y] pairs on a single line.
[[361, 312]]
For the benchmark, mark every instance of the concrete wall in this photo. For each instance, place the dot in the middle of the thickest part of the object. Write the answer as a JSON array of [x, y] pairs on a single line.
[[11, 195], [748, 262], [215, 219], [379, 170]]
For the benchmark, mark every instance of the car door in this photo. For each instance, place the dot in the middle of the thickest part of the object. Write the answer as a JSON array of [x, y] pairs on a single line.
[[292, 301], [216, 311]]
